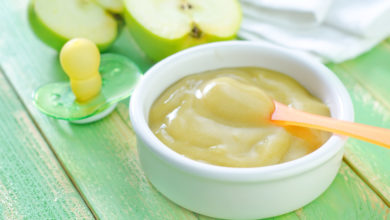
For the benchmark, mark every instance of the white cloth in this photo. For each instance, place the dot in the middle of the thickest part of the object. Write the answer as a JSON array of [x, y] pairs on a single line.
[[333, 30], [298, 13]]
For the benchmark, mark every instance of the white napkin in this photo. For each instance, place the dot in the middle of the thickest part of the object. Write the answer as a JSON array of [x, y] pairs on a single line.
[[298, 13], [366, 18], [331, 30]]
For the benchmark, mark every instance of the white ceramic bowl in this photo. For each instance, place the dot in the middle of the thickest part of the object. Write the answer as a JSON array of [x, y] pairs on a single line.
[[239, 193]]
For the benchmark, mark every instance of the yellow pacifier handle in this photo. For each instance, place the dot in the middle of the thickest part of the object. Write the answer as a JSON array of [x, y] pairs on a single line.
[[80, 59]]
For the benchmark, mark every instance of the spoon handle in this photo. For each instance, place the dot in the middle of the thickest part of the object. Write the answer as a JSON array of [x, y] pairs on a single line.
[[285, 116]]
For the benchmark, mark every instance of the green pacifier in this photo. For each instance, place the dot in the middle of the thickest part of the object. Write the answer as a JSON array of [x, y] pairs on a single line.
[[95, 85]]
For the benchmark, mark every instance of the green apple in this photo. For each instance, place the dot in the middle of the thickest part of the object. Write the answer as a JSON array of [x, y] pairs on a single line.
[[162, 28], [115, 6], [57, 21]]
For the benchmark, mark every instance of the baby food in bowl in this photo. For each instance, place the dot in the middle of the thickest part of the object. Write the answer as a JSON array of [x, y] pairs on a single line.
[[221, 117], [236, 181]]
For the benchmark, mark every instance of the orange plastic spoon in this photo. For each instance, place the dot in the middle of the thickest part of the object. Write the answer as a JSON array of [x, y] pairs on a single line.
[[285, 116]]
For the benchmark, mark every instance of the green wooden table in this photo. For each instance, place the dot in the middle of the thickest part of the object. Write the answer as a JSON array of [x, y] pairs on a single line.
[[52, 169]]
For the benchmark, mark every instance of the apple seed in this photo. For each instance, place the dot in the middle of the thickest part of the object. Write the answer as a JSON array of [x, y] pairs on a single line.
[[195, 32], [186, 6]]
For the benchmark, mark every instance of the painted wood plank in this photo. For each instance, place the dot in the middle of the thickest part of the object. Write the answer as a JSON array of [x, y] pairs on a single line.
[[367, 79], [100, 158], [33, 185], [347, 198]]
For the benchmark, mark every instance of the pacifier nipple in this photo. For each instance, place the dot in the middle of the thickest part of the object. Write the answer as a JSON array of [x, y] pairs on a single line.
[[85, 98], [80, 59]]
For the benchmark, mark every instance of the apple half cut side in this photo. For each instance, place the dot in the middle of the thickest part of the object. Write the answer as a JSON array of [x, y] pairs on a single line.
[[163, 28], [57, 21], [115, 6]]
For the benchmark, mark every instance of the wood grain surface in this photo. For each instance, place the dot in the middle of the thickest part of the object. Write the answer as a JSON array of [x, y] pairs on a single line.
[[347, 198], [367, 79], [101, 158], [33, 185]]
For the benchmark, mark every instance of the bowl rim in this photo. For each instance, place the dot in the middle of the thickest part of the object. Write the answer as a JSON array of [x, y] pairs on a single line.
[[239, 174]]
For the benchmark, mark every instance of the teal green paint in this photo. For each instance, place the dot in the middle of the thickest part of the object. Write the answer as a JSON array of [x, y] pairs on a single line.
[[32, 183], [371, 107]]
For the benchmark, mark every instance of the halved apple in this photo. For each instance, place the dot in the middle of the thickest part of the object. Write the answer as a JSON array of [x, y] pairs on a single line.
[[115, 6], [57, 21], [162, 28]]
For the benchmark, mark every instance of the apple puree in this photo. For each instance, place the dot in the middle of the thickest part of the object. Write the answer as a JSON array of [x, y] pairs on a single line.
[[221, 117]]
